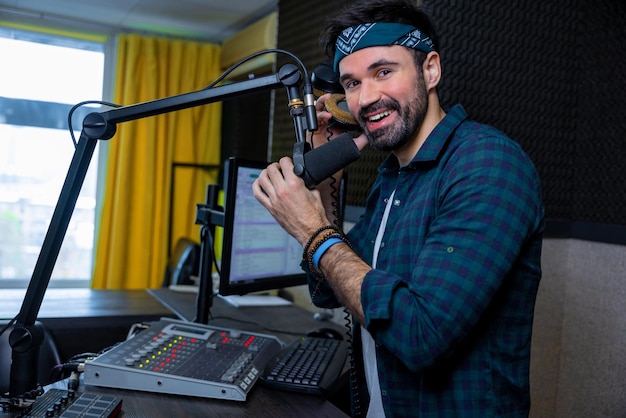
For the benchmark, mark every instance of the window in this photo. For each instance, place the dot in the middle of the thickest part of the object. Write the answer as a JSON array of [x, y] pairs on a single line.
[[41, 78]]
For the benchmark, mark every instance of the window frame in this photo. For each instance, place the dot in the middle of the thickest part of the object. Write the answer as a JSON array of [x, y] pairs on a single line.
[[101, 42]]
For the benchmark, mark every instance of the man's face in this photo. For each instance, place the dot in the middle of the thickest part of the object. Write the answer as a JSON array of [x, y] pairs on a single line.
[[386, 94]]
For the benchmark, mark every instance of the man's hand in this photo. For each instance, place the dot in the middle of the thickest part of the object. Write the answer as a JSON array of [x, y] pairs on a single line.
[[296, 208], [325, 130]]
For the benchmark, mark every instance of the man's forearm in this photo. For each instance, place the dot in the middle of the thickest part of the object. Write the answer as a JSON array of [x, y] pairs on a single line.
[[344, 271]]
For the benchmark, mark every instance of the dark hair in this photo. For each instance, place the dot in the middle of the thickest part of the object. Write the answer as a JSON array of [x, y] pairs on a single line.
[[372, 11]]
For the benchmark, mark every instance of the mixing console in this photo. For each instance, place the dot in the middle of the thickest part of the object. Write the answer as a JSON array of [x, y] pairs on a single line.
[[184, 358]]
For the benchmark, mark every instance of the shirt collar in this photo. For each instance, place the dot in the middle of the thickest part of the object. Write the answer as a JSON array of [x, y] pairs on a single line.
[[434, 144]]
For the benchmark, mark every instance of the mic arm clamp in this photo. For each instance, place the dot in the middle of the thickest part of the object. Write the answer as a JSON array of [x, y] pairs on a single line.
[[300, 117]]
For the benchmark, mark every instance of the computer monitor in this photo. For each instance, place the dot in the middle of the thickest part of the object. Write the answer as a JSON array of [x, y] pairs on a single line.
[[257, 254]]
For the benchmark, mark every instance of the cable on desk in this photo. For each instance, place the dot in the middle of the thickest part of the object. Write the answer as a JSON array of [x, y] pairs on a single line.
[[257, 324]]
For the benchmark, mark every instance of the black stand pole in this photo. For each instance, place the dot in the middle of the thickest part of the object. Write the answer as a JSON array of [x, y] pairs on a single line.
[[25, 338], [209, 216]]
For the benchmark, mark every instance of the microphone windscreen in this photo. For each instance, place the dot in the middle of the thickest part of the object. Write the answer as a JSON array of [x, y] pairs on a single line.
[[322, 162]]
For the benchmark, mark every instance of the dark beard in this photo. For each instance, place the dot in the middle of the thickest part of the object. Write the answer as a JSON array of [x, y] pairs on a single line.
[[393, 137]]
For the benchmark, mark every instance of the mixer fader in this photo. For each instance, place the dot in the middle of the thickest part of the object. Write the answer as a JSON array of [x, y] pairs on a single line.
[[183, 358]]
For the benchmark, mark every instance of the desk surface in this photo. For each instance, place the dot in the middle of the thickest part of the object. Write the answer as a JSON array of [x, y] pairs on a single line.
[[286, 322], [77, 304], [261, 402]]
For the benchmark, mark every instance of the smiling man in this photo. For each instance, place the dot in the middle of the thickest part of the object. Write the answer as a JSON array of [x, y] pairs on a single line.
[[441, 271]]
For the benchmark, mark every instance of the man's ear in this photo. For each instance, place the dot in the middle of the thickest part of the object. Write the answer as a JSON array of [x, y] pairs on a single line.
[[432, 70]]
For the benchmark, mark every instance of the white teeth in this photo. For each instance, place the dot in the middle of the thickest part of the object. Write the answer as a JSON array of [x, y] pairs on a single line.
[[379, 116]]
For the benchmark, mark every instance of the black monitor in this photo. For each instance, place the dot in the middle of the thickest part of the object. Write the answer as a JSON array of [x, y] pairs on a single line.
[[257, 254]]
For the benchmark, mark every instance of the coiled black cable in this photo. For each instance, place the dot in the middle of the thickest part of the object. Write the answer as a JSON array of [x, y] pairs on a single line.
[[357, 409]]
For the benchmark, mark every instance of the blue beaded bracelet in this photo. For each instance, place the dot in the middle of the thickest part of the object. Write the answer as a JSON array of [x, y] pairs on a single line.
[[322, 249]]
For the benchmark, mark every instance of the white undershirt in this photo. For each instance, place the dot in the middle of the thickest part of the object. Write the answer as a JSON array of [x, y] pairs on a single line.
[[375, 409]]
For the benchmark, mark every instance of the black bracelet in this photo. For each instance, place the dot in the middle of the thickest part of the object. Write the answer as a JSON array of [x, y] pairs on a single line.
[[311, 253], [313, 236]]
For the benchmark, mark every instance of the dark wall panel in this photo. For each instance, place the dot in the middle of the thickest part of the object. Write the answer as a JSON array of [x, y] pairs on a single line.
[[511, 67], [599, 170], [549, 74]]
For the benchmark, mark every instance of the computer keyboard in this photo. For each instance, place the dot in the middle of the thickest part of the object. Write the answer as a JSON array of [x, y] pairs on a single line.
[[308, 365]]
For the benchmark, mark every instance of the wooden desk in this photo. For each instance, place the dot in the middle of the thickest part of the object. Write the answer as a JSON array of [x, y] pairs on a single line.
[[86, 304], [287, 323], [87, 320], [261, 402], [71, 310]]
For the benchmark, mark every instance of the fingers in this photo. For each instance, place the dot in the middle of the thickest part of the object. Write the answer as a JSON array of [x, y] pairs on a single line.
[[319, 103], [361, 142], [271, 182], [286, 164], [323, 116], [263, 187]]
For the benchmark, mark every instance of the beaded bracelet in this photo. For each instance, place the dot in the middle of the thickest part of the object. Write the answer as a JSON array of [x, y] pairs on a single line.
[[314, 235], [310, 257], [313, 248]]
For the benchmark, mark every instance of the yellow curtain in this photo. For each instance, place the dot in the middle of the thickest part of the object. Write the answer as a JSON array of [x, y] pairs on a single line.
[[132, 247]]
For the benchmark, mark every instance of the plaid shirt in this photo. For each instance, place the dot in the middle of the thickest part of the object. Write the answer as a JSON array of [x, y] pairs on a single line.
[[450, 304]]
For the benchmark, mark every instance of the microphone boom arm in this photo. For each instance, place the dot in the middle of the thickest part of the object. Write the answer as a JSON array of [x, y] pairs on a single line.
[[26, 337]]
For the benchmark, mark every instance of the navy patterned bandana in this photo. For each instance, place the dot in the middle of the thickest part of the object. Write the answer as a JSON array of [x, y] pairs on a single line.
[[380, 34]]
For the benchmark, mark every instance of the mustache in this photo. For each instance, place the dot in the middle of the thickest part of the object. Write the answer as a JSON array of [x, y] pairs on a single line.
[[387, 104]]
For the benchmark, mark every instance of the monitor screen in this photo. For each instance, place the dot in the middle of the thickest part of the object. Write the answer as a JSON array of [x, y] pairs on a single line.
[[257, 254]]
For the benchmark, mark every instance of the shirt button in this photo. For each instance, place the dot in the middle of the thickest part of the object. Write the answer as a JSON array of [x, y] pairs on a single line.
[[396, 202]]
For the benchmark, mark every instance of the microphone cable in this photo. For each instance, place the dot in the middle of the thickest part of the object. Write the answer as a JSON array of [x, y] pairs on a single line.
[[230, 69]]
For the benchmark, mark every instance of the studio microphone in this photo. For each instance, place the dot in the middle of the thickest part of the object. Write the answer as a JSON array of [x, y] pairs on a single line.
[[322, 162], [309, 106]]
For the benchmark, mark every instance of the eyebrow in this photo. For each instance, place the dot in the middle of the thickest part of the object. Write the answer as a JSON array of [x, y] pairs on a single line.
[[372, 66]]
